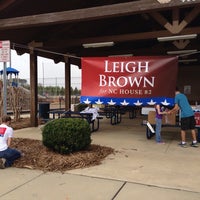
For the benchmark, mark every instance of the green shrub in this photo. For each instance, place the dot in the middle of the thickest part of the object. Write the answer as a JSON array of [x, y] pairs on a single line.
[[66, 135]]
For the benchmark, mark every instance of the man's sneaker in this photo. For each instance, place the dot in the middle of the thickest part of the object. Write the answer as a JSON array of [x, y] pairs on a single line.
[[194, 144], [2, 163], [183, 144]]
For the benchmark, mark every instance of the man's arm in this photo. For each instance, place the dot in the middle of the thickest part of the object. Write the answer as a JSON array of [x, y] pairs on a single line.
[[175, 109], [9, 141]]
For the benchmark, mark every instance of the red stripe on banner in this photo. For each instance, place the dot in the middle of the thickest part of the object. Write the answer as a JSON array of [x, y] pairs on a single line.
[[136, 77]]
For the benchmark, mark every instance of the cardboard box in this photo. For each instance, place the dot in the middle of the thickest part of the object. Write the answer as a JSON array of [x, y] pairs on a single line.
[[169, 119], [166, 119], [151, 117]]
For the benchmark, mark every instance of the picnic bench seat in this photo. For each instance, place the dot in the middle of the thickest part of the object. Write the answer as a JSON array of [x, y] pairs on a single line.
[[114, 113]]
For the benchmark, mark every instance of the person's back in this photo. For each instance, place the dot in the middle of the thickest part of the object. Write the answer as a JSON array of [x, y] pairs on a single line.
[[182, 101]]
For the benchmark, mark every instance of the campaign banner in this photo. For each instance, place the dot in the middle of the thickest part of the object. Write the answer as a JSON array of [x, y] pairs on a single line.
[[136, 81]]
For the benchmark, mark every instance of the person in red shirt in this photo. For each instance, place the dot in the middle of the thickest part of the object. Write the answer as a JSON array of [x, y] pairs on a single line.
[[7, 154]]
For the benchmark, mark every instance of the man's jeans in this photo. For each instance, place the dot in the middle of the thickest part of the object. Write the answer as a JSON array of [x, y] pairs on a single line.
[[10, 155]]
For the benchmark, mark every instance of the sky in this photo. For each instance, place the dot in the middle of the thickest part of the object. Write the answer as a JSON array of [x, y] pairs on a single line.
[[47, 70]]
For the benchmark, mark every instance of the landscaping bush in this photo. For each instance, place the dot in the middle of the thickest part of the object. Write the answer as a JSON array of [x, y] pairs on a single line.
[[66, 135]]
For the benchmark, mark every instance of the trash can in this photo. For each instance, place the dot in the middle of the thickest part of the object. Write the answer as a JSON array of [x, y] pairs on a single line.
[[44, 110]]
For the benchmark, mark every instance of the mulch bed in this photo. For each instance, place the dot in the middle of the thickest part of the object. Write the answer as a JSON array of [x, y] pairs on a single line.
[[37, 156]]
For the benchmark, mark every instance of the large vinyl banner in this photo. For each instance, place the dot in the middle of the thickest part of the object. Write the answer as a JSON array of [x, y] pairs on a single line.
[[136, 81]]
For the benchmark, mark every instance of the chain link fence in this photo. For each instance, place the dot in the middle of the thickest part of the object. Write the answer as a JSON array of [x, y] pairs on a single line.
[[54, 82], [60, 82]]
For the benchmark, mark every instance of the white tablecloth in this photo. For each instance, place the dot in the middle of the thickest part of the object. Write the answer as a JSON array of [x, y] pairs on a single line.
[[94, 111], [145, 110]]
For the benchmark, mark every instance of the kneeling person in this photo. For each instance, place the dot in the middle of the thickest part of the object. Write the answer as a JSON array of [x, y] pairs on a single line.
[[7, 154]]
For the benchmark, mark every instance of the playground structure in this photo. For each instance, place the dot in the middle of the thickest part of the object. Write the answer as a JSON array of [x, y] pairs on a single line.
[[17, 97], [10, 80]]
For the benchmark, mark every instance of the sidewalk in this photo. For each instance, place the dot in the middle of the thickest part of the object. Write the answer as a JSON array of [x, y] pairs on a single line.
[[140, 169]]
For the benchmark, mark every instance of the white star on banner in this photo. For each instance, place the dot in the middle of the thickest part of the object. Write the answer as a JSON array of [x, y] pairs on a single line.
[[151, 102], [165, 103], [87, 101], [111, 102], [124, 103], [138, 103], [99, 102]]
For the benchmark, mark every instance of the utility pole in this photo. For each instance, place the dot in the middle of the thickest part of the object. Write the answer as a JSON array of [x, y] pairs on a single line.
[[42, 78], [4, 57], [4, 89]]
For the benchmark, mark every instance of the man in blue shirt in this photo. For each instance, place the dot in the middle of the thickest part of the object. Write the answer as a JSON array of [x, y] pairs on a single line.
[[187, 117]]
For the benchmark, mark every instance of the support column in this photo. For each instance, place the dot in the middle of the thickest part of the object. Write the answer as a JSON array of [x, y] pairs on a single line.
[[33, 90], [4, 89], [67, 85]]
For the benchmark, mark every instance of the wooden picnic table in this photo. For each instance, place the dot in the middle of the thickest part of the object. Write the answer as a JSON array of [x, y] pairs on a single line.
[[88, 116], [113, 113]]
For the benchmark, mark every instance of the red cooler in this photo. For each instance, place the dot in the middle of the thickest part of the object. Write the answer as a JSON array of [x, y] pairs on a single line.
[[197, 118]]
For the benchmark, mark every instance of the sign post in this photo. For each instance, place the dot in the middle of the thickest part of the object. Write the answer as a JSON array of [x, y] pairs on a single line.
[[4, 57]]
